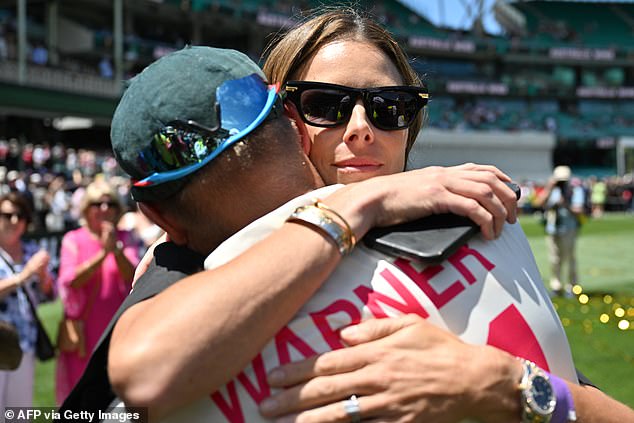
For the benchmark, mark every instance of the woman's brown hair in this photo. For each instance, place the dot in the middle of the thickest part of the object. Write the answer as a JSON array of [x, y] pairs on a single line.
[[287, 55], [21, 203]]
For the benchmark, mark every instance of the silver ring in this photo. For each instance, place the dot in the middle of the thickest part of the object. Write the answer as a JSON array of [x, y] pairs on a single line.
[[352, 409]]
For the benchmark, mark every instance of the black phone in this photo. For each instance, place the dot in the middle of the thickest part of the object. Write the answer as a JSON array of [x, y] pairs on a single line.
[[430, 240]]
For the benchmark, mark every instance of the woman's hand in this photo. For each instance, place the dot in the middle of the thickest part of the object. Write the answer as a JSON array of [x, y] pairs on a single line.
[[478, 192], [37, 266], [108, 236]]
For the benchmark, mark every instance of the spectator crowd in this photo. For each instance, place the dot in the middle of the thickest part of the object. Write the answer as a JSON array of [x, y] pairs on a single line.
[[54, 177]]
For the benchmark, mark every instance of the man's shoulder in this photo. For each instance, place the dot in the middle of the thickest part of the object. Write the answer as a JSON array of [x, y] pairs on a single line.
[[170, 264]]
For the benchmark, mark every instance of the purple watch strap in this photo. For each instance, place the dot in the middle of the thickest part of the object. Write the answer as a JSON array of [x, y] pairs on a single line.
[[565, 408]]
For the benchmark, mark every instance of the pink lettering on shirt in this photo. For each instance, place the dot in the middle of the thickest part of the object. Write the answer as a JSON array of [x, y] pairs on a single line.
[[461, 254], [423, 278], [232, 410], [286, 337], [372, 299], [510, 332], [320, 318]]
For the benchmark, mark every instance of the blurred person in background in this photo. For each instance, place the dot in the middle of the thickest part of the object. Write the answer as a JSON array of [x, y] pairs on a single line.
[[96, 268], [13, 155], [4, 151], [41, 207], [59, 204], [23, 271], [39, 54], [145, 231], [598, 195], [563, 204]]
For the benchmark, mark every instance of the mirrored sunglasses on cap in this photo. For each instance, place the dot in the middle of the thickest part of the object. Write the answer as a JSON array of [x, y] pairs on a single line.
[[329, 105], [183, 146]]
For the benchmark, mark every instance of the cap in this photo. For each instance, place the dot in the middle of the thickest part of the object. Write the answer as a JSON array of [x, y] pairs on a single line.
[[562, 173], [179, 86]]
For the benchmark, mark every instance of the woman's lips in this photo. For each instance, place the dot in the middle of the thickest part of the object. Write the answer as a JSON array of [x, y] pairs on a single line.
[[357, 165]]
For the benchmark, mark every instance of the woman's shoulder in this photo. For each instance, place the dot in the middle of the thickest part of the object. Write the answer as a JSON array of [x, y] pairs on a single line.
[[74, 234]]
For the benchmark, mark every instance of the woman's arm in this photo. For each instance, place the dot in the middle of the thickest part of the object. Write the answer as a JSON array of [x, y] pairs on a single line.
[[36, 265], [126, 268], [85, 270], [221, 318]]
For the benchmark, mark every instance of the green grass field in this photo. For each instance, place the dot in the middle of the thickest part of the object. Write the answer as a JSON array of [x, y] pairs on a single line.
[[602, 351]]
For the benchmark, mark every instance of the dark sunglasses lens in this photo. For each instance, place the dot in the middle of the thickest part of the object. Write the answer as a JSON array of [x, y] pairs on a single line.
[[324, 107], [392, 109], [108, 204], [11, 216]]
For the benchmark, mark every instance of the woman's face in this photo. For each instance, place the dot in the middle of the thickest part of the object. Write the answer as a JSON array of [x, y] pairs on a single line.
[[357, 150], [12, 223], [105, 209]]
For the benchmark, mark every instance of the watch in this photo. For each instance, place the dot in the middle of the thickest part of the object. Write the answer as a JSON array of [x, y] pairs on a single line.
[[537, 394]]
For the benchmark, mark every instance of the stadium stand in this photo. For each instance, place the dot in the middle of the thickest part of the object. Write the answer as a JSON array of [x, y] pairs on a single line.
[[563, 69]]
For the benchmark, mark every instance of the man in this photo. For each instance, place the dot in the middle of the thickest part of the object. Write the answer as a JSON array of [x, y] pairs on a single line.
[[175, 138], [563, 205]]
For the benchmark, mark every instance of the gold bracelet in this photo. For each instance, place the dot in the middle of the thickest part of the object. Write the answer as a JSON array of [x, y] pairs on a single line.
[[318, 218], [327, 208]]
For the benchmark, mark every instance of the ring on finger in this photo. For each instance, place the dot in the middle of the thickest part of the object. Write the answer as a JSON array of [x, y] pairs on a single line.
[[352, 409]]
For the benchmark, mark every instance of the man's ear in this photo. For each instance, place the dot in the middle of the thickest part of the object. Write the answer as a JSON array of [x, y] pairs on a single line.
[[174, 229], [291, 111]]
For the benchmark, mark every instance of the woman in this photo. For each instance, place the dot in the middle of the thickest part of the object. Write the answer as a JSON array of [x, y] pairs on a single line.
[[141, 343], [22, 265], [348, 52], [96, 268], [329, 48]]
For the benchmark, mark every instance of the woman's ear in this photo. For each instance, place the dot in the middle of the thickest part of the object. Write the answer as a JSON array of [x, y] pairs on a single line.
[[291, 111], [175, 231]]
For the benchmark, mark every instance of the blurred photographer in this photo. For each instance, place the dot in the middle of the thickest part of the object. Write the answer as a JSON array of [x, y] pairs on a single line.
[[563, 203]]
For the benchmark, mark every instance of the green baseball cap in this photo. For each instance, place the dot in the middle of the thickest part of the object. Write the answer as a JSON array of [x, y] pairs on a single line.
[[182, 86]]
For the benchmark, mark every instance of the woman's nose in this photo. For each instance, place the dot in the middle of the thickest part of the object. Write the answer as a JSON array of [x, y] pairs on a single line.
[[359, 127]]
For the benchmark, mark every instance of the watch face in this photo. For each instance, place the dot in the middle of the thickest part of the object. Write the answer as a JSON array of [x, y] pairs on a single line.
[[542, 393]]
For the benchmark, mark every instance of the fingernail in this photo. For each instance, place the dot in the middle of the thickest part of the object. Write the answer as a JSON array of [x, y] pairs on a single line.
[[277, 376], [350, 332], [269, 405]]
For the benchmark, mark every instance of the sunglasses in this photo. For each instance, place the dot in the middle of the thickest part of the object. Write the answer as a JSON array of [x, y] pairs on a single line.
[[104, 204], [12, 216], [329, 105], [183, 146]]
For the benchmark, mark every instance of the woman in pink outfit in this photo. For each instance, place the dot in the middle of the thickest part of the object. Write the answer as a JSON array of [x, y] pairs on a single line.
[[96, 268]]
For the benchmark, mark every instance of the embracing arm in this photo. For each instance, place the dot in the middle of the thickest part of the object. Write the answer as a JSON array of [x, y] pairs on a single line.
[[221, 318], [407, 369]]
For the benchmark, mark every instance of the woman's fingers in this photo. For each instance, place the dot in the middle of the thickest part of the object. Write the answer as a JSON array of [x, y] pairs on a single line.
[[342, 411], [485, 168], [493, 195], [329, 363], [320, 391], [373, 329]]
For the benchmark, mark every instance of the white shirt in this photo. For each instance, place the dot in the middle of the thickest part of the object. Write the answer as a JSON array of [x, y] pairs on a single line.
[[488, 292]]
